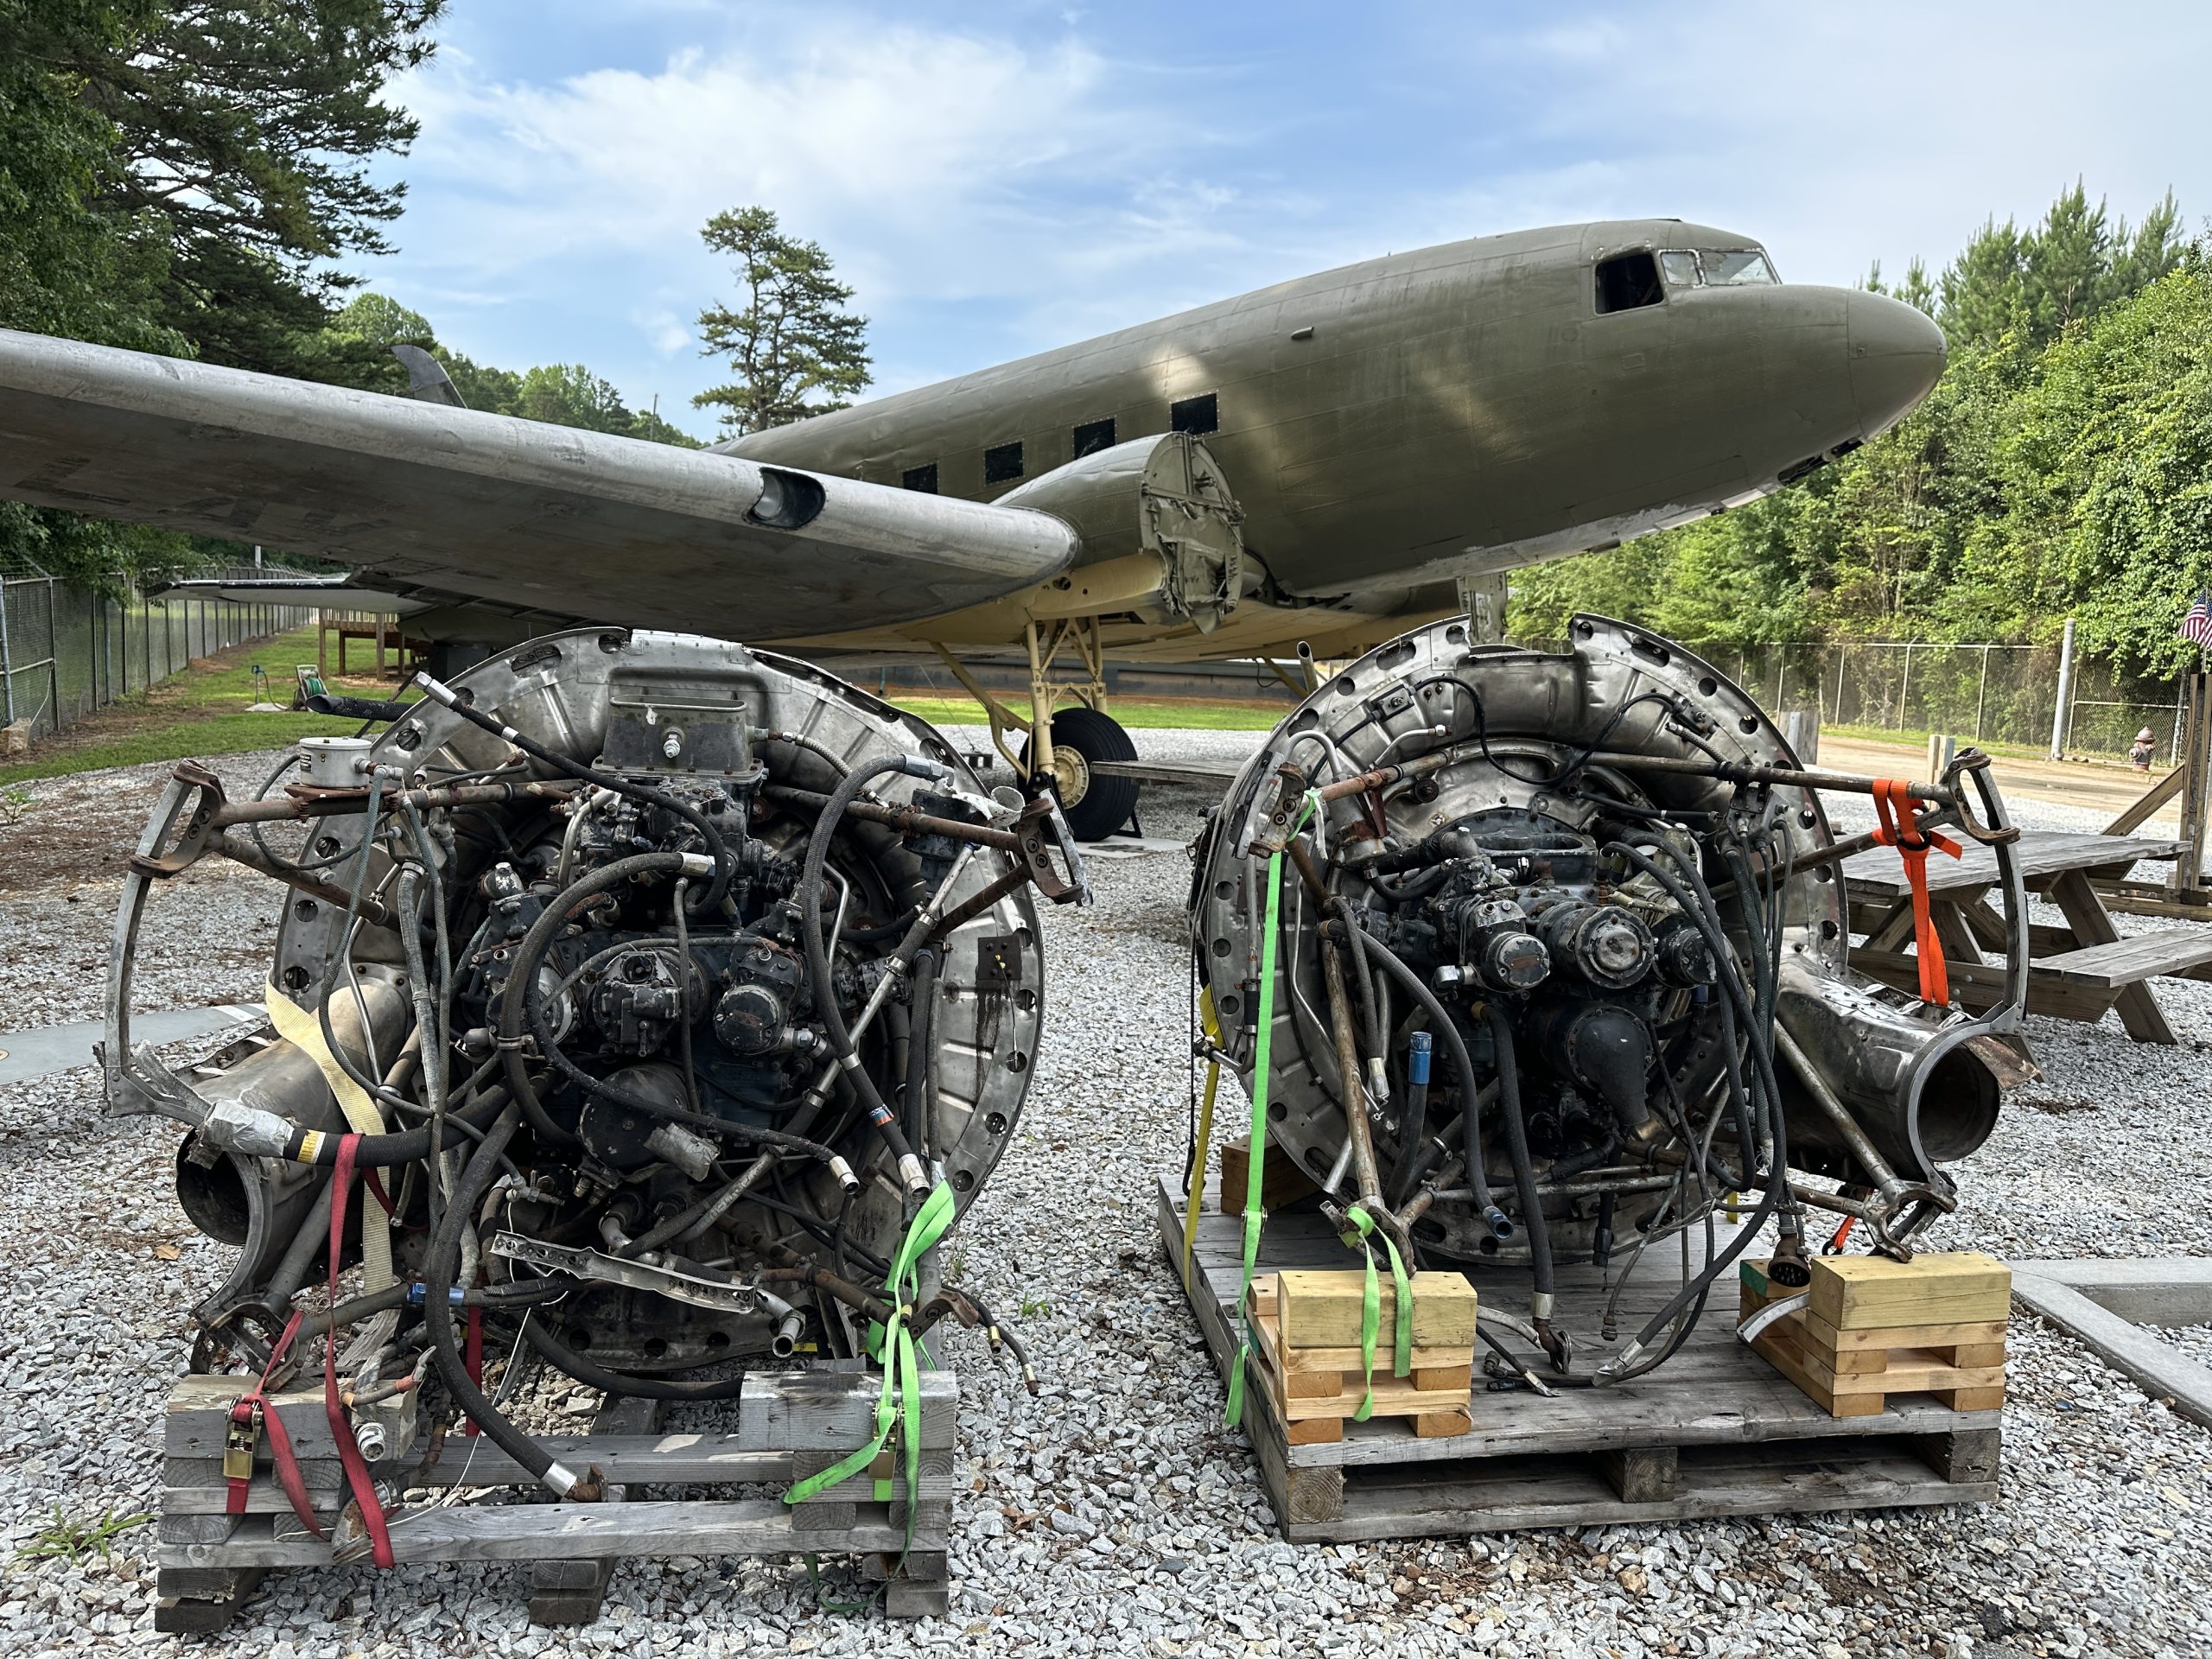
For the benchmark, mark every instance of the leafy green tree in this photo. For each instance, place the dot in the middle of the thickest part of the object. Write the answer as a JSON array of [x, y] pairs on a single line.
[[245, 129], [795, 348]]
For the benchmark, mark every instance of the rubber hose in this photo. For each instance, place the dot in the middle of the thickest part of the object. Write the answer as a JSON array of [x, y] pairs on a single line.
[[824, 981], [1524, 1169], [1470, 1104], [522, 977], [1707, 917], [439, 1267], [920, 1021], [382, 1151]]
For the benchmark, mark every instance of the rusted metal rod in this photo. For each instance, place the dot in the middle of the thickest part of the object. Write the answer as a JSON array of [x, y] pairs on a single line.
[[371, 910], [277, 808], [908, 821]]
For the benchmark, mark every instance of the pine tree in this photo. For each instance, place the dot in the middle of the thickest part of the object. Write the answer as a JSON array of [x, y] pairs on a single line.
[[797, 350]]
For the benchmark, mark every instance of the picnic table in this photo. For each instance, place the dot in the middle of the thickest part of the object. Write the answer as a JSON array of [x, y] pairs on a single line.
[[2079, 971]]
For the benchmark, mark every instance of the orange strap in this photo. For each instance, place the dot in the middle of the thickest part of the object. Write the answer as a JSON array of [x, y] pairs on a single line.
[[1900, 829]]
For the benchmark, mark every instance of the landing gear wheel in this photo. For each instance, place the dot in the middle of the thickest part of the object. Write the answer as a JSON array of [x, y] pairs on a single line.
[[1094, 806]]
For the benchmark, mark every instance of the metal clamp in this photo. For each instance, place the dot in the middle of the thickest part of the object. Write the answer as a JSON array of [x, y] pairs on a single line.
[[204, 791], [723, 1295]]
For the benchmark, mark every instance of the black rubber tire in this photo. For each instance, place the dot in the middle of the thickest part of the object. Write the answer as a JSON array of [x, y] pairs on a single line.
[[1107, 804]]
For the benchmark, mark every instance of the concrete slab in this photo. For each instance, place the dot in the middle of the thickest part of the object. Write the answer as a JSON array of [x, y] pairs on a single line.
[[28, 1054], [2105, 1303]]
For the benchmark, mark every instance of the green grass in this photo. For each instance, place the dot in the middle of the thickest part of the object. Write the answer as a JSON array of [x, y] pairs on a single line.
[[68, 1539], [199, 713], [1139, 715]]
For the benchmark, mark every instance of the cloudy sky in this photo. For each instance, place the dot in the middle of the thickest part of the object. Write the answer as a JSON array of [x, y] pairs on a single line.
[[998, 179]]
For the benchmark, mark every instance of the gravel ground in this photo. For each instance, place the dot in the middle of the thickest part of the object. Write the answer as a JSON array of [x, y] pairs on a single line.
[[1113, 1513]]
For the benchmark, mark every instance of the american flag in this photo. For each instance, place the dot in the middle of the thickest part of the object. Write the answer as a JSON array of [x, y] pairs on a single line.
[[2197, 627]]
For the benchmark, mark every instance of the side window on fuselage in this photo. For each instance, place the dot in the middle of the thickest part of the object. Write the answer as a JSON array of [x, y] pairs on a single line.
[[1195, 416], [1003, 463], [1628, 282], [923, 478], [1092, 436]]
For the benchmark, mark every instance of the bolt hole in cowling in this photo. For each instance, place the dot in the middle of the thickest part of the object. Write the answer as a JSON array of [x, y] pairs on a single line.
[[1604, 1039], [691, 1159]]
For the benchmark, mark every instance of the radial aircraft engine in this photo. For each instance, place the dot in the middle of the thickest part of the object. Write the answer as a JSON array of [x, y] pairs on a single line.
[[663, 987], [1558, 968]]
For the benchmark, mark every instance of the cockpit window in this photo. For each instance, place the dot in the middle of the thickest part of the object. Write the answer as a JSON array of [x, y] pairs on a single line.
[[1628, 281], [1736, 268], [1717, 267]]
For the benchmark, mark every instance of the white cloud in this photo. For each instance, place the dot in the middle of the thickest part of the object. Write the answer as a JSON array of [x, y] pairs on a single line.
[[1028, 176]]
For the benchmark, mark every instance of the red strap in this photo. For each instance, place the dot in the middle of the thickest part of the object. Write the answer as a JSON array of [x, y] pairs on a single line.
[[473, 1357], [252, 1408], [376, 1189], [358, 1478], [1900, 829]]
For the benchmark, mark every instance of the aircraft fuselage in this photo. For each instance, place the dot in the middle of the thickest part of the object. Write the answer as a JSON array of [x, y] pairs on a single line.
[[1448, 412]]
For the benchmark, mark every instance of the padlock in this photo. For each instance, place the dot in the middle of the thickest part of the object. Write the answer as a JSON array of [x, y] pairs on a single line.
[[240, 1441]]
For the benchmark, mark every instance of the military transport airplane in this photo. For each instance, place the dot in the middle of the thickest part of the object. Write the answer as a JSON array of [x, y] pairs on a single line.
[[1317, 466]]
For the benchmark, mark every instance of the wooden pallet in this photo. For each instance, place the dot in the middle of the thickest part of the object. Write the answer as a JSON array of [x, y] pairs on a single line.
[[1715, 1432], [791, 1424]]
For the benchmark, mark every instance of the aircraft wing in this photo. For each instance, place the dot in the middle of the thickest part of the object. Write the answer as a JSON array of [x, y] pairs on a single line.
[[478, 506]]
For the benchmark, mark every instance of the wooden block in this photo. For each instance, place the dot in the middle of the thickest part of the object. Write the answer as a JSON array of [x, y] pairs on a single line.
[[1322, 1309], [921, 1566], [824, 1515], [1263, 1306], [1395, 1396], [198, 1419], [1643, 1474], [1283, 1182], [1314, 1495], [1314, 1385], [1974, 1332], [1452, 1379], [1857, 1292], [1314, 1431], [1980, 1398], [201, 1601], [1443, 1425], [814, 1410], [197, 1529], [1964, 1454], [1967, 1355]]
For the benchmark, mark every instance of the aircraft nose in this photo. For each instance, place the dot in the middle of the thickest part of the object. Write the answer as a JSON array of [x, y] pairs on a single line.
[[1896, 356]]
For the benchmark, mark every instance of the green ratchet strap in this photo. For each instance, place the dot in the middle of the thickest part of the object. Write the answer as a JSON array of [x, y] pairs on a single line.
[[1370, 1308], [902, 1377], [1257, 1151]]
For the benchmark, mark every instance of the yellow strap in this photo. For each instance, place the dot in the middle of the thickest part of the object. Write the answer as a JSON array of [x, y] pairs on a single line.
[[1203, 1140], [301, 1028]]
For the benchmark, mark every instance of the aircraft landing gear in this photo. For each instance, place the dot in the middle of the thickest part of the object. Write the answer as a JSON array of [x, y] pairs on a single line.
[[1095, 806], [1060, 747]]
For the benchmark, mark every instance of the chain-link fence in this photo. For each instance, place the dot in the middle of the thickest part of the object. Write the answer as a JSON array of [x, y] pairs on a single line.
[[1980, 694], [65, 650]]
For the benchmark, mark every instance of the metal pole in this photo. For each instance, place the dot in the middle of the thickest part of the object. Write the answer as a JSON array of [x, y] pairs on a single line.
[[1904, 684], [2061, 716], [1982, 696], [7, 656]]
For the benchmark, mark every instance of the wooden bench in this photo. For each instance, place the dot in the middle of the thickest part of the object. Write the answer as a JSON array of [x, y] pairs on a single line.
[[2081, 971], [2065, 981]]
